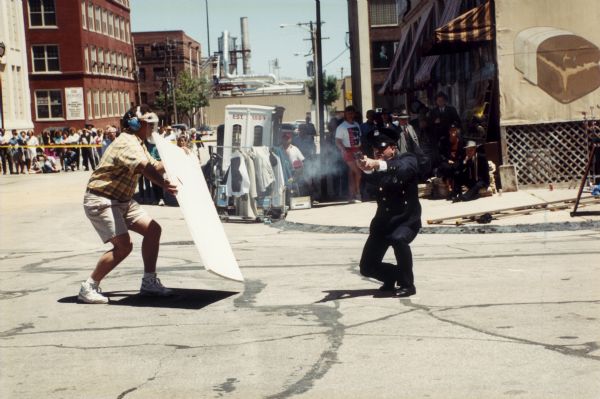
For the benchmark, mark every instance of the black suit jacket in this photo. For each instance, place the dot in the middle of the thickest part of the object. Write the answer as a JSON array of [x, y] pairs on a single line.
[[398, 216], [446, 117]]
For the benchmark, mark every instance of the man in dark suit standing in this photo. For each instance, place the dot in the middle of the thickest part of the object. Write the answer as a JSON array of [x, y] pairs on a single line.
[[440, 118], [398, 217]]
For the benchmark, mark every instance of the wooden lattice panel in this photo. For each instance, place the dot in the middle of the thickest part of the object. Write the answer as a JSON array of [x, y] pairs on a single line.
[[547, 153]]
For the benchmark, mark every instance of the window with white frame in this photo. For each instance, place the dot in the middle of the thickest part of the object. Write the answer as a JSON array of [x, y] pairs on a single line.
[[127, 38], [101, 61], [103, 103], [97, 18], [42, 13], [90, 15], [129, 67], [93, 59], [117, 30], [45, 58], [49, 104], [122, 25], [120, 64], [109, 109], [113, 59], [104, 21], [122, 102], [86, 59], [383, 12], [83, 15], [127, 100], [96, 104], [115, 101], [110, 24], [89, 104]]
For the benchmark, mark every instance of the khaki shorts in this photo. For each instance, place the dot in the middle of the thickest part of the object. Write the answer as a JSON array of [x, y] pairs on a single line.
[[110, 217]]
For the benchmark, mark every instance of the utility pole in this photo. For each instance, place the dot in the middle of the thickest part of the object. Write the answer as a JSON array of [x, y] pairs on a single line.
[[172, 46], [207, 27], [319, 97]]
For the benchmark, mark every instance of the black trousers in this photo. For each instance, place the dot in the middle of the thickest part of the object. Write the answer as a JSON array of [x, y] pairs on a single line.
[[372, 265], [473, 187]]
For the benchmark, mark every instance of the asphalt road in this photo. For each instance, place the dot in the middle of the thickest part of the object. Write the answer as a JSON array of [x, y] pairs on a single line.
[[495, 315]]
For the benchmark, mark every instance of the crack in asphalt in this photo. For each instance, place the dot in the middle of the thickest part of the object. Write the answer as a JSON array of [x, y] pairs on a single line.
[[148, 380], [562, 349]]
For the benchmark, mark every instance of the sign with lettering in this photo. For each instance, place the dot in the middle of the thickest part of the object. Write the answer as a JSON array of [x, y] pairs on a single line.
[[74, 103]]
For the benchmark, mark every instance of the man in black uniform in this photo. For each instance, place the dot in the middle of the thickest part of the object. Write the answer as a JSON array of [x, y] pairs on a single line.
[[398, 217]]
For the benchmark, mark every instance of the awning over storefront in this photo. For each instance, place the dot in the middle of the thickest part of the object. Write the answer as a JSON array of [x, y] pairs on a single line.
[[469, 29], [458, 30], [415, 23], [406, 54]]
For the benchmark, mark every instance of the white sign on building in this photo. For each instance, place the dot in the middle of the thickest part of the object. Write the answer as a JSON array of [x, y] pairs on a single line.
[[74, 103]]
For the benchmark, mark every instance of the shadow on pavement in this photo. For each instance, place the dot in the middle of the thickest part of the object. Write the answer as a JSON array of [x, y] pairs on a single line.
[[334, 295], [181, 298]]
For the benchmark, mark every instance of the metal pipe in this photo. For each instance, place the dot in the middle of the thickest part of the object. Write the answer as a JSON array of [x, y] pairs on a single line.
[[245, 45]]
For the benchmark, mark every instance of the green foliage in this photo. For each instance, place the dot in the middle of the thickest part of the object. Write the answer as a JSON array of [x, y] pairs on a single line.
[[191, 94], [330, 90]]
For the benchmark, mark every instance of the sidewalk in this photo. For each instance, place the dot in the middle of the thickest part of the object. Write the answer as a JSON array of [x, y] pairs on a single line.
[[341, 216]]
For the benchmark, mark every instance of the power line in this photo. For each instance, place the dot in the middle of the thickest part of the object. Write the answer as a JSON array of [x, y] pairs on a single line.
[[336, 57]]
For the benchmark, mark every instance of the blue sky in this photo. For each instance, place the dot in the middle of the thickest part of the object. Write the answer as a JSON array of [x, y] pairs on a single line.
[[267, 40]]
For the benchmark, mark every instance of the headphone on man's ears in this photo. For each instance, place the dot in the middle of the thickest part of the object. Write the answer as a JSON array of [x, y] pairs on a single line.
[[132, 121]]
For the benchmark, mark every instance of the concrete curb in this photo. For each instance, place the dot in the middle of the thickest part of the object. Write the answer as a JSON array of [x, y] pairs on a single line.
[[475, 229]]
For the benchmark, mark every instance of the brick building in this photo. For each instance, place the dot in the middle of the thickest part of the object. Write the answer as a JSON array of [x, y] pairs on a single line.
[[161, 56], [80, 61]]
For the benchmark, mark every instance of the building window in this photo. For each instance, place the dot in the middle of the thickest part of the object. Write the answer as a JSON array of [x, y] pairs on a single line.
[[383, 12], [127, 39], [48, 104], [45, 58], [101, 65], [42, 13], [258, 135], [127, 100], [90, 16], [122, 25], [144, 97], [139, 51], [236, 140], [113, 59], [122, 103], [159, 73], [96, 104], [109, 108], [93, 59], [117, 30], [104, 21], [89, 104], [97, 17], [83, 15], [86, 59], [110, 24], [115, 100], [129, 67], [383, 52], [103, 103]]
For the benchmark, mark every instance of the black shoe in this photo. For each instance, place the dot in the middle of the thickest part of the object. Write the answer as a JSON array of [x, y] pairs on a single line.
[[388, 286], [405, 291]]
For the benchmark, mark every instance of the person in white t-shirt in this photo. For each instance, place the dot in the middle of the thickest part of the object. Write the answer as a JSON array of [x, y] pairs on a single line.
[[296, 160], [347, 139]]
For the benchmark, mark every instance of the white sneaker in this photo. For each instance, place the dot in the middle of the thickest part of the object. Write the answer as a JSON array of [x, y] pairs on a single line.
[[91, 293], [161, 202], [153, 286]]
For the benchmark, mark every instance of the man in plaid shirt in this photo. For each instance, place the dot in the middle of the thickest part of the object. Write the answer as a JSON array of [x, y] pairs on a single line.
[[109, 205]]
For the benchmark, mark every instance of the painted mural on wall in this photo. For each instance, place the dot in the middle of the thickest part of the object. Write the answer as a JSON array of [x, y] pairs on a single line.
[[548, 59]]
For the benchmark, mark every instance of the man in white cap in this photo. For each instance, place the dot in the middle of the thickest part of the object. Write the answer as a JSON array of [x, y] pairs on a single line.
[[473, 173], [109, 205]]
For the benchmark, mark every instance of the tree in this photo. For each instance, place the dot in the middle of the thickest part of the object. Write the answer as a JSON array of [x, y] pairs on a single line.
[[330, 90], [191, 94]]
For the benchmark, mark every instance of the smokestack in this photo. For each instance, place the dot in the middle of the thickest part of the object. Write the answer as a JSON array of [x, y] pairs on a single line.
[[245, 45]]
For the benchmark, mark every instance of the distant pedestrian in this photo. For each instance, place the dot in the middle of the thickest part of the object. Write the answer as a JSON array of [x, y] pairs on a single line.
[[347, 139]]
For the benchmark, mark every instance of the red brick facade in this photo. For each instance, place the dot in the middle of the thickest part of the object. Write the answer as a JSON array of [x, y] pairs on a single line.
[[71, 48], [154, 60]]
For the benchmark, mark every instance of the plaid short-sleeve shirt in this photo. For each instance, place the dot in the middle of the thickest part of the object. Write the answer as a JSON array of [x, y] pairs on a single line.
[[116, 176]]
